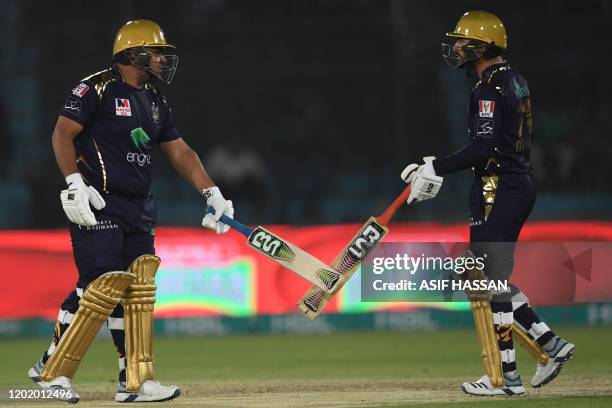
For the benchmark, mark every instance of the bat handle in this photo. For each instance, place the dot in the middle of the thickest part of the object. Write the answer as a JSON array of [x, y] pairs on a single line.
[[231, 222], [385, 217]]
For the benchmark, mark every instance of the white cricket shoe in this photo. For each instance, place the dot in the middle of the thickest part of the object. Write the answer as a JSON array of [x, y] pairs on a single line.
[[150, 391], [545, 373], [484, 387], [61, 385]]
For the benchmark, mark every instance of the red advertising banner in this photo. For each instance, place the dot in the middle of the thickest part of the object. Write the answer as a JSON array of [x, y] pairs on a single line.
[[205, 274]]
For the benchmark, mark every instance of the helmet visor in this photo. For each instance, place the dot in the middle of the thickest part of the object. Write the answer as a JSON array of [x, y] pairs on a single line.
[[459, 51], [156, 62]]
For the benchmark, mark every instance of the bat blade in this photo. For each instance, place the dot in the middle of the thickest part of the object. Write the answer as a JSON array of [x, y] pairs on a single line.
[[347, 262], [349, 259], [292, 257]]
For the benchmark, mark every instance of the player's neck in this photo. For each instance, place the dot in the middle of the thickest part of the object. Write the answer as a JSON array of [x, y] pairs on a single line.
[[482, 64], [133, 76]]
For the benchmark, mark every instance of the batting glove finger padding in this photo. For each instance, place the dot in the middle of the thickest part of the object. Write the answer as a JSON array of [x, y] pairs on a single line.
[[76, 199], [220, 227], [209, 221], [408, 172], [96, 199], [75, 203]]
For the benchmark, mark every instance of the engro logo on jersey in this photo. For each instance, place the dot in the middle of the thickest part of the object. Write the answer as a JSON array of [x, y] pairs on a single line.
[[122, 107], [140, 158], [140, 139]]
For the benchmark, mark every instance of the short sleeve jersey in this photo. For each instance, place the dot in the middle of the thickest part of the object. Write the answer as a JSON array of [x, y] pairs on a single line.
[[120, 126], [500, 117]]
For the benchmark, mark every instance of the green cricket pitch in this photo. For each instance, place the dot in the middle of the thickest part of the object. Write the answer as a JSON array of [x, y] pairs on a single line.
[[422, 369]]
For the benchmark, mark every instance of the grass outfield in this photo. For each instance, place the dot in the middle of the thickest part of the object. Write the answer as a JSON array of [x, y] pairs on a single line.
[[354, 369]]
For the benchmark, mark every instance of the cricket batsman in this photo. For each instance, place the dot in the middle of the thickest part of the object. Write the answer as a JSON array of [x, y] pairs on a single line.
[[500, 128], [103, 142]]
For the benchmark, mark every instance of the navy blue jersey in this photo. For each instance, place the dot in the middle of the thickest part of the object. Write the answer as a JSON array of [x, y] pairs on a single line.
[[500, 126], [120, 126]]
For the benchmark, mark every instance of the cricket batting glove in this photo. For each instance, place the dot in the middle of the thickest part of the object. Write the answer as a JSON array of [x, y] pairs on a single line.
[[77, 198], [215, 199], [423, 180]]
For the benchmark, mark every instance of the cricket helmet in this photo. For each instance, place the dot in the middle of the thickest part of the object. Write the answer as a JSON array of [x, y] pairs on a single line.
[[138, 35], [481, 26], [486, 37]]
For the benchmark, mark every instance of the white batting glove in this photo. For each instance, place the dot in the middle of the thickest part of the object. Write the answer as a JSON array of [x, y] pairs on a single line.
[[76, 200], [215, 199], [423, 180]]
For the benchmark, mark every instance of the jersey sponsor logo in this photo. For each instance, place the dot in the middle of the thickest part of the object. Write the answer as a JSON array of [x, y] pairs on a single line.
[[484, 128], [139, 158], [72, 105], [139, 137], [486, 108], [122, 107], [80, 90]]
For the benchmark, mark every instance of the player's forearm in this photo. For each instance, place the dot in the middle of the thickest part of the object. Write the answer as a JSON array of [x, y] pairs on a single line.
[[189, 166], [65, 153], [471, 155]]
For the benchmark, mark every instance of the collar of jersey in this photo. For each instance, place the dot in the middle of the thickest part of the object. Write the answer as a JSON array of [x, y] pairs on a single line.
[[493, 67], [117, 72]]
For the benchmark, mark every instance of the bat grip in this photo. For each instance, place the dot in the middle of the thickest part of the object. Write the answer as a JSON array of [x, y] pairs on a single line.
[[385, 217], [231, 222]]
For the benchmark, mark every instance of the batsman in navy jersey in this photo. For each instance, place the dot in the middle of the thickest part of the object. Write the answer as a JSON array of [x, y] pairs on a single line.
[[500, 134], [103, 141]]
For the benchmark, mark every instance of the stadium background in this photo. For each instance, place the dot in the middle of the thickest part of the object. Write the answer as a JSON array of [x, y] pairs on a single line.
[[304, 112]]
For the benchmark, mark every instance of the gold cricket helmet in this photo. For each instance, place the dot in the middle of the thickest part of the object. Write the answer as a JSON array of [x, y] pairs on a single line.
[[133, 44], [140, 33], [484, 33], [482, 26]]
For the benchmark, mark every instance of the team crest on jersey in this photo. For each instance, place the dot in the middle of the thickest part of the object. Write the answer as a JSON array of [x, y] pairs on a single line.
[[80, 90], [155, 112], [122, 107], [486, 108]]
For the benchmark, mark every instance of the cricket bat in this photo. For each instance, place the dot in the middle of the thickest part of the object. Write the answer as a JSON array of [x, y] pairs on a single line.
[[292, 257], [349, 259]]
